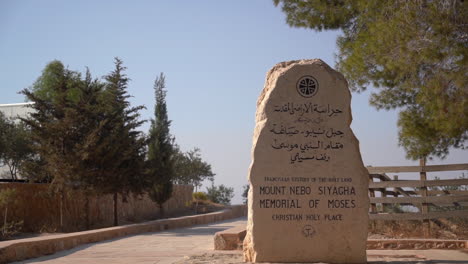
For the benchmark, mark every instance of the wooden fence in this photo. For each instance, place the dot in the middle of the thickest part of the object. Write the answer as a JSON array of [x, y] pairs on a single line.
[[422, 193], [40, 210]]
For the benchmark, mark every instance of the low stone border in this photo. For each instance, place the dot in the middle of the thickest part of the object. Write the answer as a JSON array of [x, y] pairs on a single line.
[[230, 239], [20, 249], [416, 244]]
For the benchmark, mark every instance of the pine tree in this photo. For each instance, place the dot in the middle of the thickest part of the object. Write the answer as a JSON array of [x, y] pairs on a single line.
[[54, 130], [91, 120], [160, 160], [84, 133], [123, 146], [414, 53]]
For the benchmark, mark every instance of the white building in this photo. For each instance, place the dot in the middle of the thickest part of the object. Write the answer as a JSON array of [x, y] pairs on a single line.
[[16, 110], [13, 111]]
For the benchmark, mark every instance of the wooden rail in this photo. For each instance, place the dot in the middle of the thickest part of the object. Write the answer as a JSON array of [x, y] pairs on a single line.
[[414, 184], [423, 194], [419, 216], [429, 168], [427, 199]]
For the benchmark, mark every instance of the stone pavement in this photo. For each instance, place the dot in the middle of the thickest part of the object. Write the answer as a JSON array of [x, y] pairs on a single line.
[[158, 247], [194, 245]]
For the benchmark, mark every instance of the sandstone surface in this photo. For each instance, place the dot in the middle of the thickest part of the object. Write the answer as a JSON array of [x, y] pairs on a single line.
[[308, 199]]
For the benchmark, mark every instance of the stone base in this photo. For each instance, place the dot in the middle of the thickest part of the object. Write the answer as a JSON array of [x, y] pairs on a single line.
[[230, 239], [419, 244]]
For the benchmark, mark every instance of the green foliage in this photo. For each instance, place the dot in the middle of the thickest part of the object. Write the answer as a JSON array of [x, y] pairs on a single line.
[[121, 147], [319, 15], [415, 55], [15, 145], [451, 187], [3, 133], [7, 199], [160, 161], [161, 192], [448, 189], [245, 193], [199, 196], [55, 126], [11, 228], [190, 168], [56, 75], [220, 194], [84, 132]]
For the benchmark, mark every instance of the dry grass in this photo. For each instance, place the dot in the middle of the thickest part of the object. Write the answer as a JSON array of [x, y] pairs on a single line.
[[206, 206], [440, 229]]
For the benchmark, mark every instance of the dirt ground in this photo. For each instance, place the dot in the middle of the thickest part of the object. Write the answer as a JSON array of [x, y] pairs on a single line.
[[373, 257], [439, 229]]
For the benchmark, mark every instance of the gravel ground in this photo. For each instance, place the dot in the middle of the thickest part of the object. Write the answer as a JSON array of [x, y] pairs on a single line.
[[374, 257], [236, 258]]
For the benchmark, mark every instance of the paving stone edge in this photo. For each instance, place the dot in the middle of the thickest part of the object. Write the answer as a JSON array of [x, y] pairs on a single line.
[[418, 244], [21, 249]]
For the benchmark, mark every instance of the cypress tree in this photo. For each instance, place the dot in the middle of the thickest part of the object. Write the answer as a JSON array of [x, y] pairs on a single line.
[[160, 160]]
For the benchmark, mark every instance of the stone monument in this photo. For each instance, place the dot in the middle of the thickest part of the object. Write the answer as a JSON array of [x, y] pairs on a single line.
[[308, 197]]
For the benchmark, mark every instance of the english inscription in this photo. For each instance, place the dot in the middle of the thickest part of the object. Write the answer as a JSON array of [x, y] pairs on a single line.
[[307, 180]]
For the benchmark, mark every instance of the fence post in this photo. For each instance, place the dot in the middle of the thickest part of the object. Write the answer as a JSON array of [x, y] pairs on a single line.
[[383, 191], [395, 194], [424, 210], [372, 206], [372, 194]]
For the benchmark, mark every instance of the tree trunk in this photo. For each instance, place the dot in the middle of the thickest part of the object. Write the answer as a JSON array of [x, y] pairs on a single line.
[[5, 221], [11, 167], [61, 210], [161, 209], [423, 177], [196, 200], [87, 212], [116, 219]]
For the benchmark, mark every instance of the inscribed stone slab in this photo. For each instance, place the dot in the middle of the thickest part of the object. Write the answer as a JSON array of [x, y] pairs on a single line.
[[308, 197]]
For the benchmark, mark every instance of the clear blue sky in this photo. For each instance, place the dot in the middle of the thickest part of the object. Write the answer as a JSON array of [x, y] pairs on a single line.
[[215, 55]]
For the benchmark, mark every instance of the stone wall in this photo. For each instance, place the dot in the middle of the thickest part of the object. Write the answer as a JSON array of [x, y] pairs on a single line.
[[39, 209]]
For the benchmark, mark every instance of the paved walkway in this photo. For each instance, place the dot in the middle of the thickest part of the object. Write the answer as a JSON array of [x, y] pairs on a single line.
[[194, 245], [158, 247]]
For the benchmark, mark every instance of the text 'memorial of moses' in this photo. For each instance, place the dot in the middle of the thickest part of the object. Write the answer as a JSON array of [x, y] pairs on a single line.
[[308, 198]]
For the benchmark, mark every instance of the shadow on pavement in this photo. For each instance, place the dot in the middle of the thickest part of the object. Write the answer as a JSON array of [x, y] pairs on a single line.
[[194, 231], [206, 229], [59, 254], [438, 261]]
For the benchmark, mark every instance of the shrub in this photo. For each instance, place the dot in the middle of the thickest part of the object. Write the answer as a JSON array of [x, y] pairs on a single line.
[[200, 196], [220, 194], [8, 198]]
